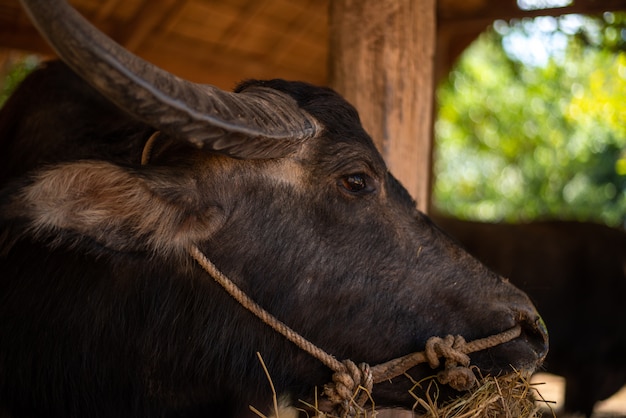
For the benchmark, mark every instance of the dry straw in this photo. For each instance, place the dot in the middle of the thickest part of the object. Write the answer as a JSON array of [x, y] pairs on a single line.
[[510, 396]]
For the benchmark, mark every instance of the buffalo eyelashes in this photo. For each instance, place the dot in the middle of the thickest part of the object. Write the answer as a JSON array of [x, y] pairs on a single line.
[[358, 183]]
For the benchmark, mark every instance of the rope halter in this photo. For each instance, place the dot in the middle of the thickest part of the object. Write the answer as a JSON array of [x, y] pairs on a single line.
[[352, 385]]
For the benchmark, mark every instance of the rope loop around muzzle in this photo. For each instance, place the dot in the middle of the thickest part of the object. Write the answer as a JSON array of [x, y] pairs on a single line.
[[352, 385]]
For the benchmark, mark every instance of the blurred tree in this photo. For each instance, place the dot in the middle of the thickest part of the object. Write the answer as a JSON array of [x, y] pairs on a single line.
[[14, 66], [532, 123]]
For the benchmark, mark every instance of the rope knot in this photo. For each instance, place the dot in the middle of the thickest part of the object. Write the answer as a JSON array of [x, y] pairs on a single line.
[[460, 378], [450, 347], [352, 385], [453, 349], [350, 389]]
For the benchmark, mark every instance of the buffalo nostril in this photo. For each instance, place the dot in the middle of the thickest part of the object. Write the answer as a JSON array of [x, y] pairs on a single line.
[[541, 326], [535, 332]]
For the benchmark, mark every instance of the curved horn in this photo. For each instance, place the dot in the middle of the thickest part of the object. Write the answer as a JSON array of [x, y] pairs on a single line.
[[202, 114]]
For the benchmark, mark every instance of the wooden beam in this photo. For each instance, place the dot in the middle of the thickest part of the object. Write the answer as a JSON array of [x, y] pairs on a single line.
[[450, 12], [461, 21], [382, 61]]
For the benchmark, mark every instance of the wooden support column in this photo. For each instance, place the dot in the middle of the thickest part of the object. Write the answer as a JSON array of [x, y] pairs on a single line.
[[382, 61]]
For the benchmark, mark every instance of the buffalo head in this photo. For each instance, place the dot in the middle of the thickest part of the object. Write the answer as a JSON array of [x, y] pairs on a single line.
[[104, 313]]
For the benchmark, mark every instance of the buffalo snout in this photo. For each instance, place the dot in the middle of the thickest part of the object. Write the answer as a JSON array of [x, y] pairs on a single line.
[[529, 350]]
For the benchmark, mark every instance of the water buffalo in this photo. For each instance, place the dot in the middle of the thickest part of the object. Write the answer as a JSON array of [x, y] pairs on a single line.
[[576, 275], [103, 313]]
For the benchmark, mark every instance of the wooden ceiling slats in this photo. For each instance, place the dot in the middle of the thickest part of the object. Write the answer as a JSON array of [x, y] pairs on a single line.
[[202, 22], [147, 23], [235, 39], [106, 9]]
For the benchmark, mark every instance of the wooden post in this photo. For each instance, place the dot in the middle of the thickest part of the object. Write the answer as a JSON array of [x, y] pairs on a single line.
[[382, 61]]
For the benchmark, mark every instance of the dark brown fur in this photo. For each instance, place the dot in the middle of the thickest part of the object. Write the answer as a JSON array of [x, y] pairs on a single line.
[[102, 314]]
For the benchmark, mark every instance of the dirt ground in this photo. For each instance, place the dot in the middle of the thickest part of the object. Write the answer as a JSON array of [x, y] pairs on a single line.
[[551, 387]]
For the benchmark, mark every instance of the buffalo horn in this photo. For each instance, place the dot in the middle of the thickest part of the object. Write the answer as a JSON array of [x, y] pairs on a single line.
[[256, 123]]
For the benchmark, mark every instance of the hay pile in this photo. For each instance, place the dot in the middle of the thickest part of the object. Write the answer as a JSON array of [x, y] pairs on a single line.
[[511, 396]]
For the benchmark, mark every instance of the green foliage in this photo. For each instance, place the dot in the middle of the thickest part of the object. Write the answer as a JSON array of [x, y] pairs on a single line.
[[518, 141], [17, 70]]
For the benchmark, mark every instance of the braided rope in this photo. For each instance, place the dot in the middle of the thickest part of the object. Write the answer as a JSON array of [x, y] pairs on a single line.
[[278, 326], [352, 386], [437, 347]]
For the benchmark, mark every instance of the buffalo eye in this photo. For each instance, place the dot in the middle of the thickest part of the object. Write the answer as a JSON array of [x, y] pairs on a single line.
[[357, 183]]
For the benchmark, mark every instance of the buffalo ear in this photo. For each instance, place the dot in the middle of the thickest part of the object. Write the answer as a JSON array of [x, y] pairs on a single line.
[[121, 209]]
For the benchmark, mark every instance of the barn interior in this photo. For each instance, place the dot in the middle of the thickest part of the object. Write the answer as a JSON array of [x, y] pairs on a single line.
[[336, 43], [327, 42], [224, 42]]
